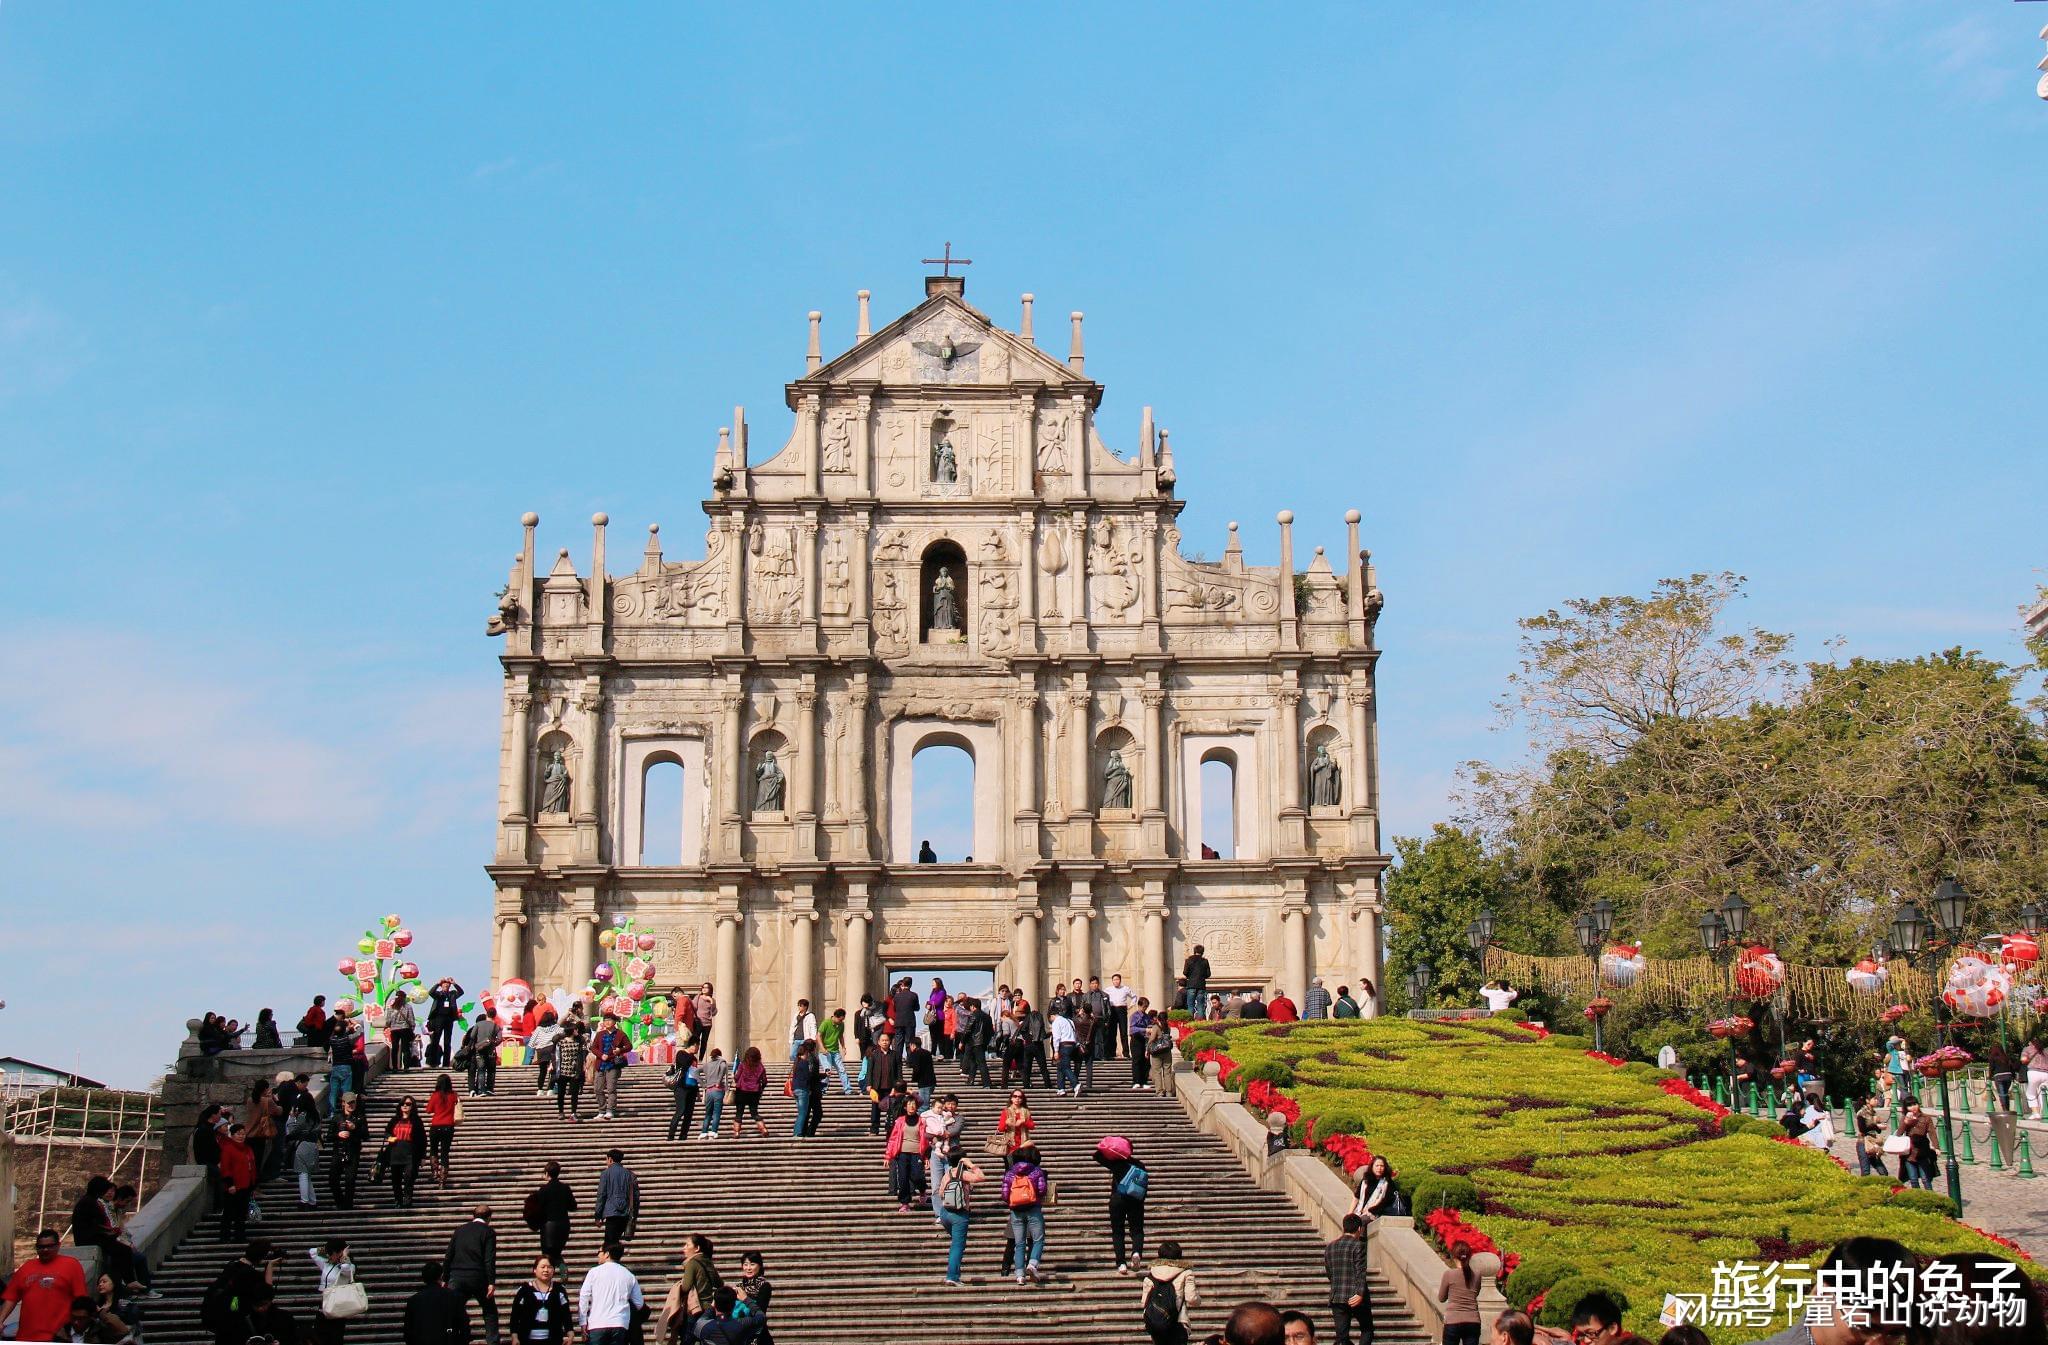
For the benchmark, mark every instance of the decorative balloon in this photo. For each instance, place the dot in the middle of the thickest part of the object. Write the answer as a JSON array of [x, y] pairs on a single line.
[[1621, 964], [624, 985], [647, 942], [636, 991], [2020, 950], [1894, 1014], [621, 921], [1759, 972], [603, 971], [377, 976], [607, 938], [1975, 988], [1867, 977]]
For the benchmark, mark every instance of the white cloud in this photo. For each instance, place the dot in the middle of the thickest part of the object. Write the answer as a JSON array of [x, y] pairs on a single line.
[[122, 731]]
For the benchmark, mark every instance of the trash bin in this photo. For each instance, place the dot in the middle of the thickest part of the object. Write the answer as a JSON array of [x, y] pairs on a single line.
[[2005, 1128]]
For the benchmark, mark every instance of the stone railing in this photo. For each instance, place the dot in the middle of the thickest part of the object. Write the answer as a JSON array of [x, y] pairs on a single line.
[[198, 1081], [1412, 1265]]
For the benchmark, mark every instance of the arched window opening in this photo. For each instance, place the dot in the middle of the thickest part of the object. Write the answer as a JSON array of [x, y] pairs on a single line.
[[1218, 834], [942, 804], [661, 813], [942, 594]]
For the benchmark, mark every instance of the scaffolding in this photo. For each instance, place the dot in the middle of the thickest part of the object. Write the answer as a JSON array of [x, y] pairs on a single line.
[[123, 1124]]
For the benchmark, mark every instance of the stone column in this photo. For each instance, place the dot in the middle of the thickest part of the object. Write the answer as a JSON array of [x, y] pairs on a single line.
[[590, 730], [1289, 745], [858, 563], [803, 951], [807, 562], [807, 421], [1157, 983], [853, 946], [726, 1031], [732, 760], [1027, 948], [1079, 463], [863, 447], [1079, 795], [1077, 579], [1290, 624], [508, 959], [1148, 528], [1368, 955], [803, 791], [582, 949], [1294, 932], [857, 766], [1152, 776], [1024, 748], [522, 752], [1081, 930]]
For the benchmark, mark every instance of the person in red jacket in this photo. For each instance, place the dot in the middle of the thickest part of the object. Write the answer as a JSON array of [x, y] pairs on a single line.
[[1281, 1009], [237, 1184]]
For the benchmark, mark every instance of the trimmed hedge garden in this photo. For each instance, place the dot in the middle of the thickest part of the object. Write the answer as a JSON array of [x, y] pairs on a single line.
[[1580, 1169]]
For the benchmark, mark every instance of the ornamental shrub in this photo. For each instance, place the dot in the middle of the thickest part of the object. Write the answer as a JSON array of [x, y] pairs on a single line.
[[1535, 1275], [1338, 1121], [1926, 1202], [1178, 1015], [1438, 1192], [1565, 1294], [1408, 1178], [1275, 1072], [1513, 1015], [1642, 1069], [1198, 1042], [1570, 1041]]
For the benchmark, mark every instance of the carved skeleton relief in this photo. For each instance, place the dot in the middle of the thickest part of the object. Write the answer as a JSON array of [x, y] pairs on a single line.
[[838, 595], [1052, 444]]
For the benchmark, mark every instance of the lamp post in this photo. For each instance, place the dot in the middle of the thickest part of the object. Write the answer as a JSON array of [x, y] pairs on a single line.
[[1590, 937], [1909, 938], [1714, 938], [1419, 977], [1480, 935]]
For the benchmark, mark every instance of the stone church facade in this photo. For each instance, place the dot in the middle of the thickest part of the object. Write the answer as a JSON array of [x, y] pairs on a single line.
[[944, 551]]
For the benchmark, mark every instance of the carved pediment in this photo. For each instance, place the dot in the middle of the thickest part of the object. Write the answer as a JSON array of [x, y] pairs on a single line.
[[944, 340], [1196, 593]]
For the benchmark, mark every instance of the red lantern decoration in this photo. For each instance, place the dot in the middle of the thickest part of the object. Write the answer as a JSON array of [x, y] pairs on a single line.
[[1867, 977], [1759, 972], [1598, 1006], [1737, 1026], [2020, 950], [1893, 1014]]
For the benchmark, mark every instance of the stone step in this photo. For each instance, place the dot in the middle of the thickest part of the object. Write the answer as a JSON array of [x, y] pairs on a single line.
[[846, 1265]]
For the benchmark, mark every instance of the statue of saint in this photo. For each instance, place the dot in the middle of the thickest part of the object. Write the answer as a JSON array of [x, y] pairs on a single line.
[[1116, 781], [768, 785], [945, 603], [554, 785], [945, 467], [1325, 780]]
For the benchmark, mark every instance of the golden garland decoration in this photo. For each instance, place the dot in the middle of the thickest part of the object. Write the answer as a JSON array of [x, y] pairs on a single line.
[[1811, 992]]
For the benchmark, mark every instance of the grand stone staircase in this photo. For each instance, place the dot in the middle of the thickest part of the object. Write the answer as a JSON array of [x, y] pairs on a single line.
[[847, 1268]]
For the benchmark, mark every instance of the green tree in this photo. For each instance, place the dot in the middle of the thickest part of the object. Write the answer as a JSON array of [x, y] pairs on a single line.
[[1436, 890]]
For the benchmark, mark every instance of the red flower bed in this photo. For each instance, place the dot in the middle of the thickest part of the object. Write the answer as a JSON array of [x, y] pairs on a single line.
[[2007, 1243], [1787, 1139], [1349, 1150], [1181, 1030], [1537, 1028], [1266, 1098], [1679, 1088], [1608, 1059], [1453, 1232]]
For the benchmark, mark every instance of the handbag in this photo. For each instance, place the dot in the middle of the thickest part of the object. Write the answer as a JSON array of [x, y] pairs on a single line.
[[1898, 1144], [996, 1145], [344, 1300]]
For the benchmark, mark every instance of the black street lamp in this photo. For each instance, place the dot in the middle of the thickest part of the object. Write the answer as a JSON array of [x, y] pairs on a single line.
[[1713, 933], [1910, 932], [1716, 939], [2030, 917], [1735, 915], [1486, 924], [1592, 933], [1419, 977]]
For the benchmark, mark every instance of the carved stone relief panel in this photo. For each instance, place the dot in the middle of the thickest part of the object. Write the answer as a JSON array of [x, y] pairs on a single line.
[[1234, 943], [774, 590], [1115, 563]]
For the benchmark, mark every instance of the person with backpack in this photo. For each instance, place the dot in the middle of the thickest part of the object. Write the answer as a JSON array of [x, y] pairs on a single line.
[[313, 1023], [690, 1297], [480, 1054], [435, 1314], [1024, 1195], [1168, 1293], [345, 1131], [225, 1307], [1129, 1184], [541, 1311], [681, 1078], [1159, 1055], [955, 1204], [547, 1210]]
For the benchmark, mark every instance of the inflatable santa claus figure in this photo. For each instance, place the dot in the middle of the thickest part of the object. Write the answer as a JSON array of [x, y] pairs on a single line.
[[515, 1012]]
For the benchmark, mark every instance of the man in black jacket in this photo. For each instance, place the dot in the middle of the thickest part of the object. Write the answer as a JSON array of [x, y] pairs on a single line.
[[435, 1314], [447, 1000], [553, 1204], [473, 1268], [1195, 971], [1101, 1043], [903, 1011], [973, 1023]]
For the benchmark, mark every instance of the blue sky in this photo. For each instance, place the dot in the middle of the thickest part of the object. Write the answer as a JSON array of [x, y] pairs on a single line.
[[300, 308]]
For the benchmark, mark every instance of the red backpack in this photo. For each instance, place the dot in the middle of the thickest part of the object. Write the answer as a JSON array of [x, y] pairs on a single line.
[[1021, 1192]]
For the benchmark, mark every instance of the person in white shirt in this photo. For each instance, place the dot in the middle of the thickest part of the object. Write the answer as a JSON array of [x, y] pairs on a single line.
[[1066, 1052], [803, 1027], [1120, 997], [1498, 995], [609, 1295]]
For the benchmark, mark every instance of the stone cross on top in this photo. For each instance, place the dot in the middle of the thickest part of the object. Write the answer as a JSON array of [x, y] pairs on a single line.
[[947, 262]]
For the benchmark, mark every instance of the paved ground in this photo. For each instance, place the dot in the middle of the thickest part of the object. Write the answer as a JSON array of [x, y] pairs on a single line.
[[2011, 1206]]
